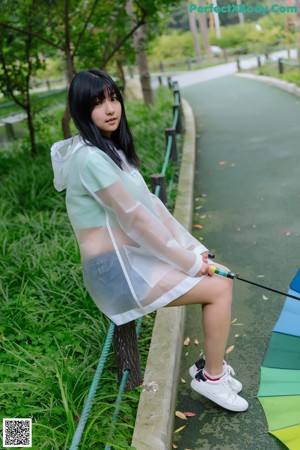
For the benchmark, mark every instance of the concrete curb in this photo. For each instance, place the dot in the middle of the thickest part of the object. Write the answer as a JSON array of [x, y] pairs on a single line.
[[155, 415], [281, 84]]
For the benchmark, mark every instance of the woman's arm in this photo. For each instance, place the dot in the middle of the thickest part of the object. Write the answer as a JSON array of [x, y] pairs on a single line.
[[182, 236], [147, 229]]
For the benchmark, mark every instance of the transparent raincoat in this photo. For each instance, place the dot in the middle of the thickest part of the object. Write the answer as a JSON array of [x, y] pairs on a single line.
[[136, 257]]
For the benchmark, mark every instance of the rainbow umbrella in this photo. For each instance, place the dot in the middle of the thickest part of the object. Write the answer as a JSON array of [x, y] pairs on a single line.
[[279, 391]]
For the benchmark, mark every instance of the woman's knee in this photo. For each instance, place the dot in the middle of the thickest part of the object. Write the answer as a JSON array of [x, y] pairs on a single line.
[[223, 293]]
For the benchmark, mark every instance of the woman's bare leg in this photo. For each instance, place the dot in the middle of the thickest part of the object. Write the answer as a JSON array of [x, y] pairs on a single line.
[[215, 294]]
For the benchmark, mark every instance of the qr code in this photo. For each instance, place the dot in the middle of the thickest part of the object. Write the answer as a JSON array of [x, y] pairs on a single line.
[[17, 433]]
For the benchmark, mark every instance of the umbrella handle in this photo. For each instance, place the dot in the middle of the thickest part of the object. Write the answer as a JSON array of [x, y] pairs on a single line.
[[222, 272]]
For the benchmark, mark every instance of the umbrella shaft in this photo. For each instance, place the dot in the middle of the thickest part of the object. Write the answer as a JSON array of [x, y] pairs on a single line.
[[268, 288], [233, 275]]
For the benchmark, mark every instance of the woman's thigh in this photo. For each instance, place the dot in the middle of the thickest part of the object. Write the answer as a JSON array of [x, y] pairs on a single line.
[[210, 289]]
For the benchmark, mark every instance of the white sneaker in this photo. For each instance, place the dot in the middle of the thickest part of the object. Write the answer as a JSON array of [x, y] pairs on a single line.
[[199, 365], [220, 392]]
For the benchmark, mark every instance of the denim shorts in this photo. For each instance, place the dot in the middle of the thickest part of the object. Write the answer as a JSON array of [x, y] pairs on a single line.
[[108, 286]]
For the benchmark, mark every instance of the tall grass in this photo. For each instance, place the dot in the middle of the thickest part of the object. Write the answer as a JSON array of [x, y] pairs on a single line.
[[51, 333]]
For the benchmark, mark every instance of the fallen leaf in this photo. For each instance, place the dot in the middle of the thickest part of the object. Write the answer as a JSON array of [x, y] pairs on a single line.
[[196, 342], [150, 387], [237, 324], [287, 233], [238, 229], [186, 354], [179, 429], [264, 297], [254, 226], [203, 217], [199, 207], [182, 380], [229, 349], [236, 335], [234, 320], [187, 341], [174, 446], [203, 195], [189, 414], [197, 225], [180, 415], [260, 276], [222, 163]]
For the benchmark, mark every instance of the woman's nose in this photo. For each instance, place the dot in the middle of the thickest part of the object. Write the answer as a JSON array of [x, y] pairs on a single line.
[[108, 107]]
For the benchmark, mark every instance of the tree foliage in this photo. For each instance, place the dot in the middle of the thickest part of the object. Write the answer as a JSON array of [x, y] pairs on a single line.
[[84, 33]]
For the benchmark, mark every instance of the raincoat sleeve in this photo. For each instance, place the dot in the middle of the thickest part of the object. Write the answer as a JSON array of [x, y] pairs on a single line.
[[141, 224], [182, 236]]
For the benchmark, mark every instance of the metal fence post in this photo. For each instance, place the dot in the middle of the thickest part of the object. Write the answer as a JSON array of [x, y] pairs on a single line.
[[238, 64], [176, 91], [127, 354], [157, 179], [258, 61], [172, 132], [280, 65], [161, 66], [177, 107]]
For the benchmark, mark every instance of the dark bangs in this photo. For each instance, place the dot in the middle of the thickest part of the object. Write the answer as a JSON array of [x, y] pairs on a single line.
[[101, 90]]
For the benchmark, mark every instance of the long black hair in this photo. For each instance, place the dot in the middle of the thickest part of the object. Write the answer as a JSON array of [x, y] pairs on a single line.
[[87, 89]]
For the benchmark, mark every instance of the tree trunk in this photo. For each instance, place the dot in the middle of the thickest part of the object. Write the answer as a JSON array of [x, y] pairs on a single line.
[[140, 39], [139, 42], [28, 107], [121, 74], [203, 29], [127, 354], [65, 122], [194, 31], [216, 20], [297, 4], [241, 15], [31, 131]]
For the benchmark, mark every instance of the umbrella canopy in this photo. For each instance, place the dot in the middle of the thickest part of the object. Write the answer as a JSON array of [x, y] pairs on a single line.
[[279, 391]]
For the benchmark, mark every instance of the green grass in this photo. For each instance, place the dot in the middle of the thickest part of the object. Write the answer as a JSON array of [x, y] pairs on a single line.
[[51, 333]]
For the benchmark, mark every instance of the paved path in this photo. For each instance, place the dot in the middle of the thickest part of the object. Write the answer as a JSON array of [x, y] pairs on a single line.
[[248, 168], [197, 76]]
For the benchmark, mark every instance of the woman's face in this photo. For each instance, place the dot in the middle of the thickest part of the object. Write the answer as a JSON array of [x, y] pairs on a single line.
[[106, 115]]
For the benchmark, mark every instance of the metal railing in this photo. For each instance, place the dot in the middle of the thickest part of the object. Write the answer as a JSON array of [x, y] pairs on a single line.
[[282, 64]]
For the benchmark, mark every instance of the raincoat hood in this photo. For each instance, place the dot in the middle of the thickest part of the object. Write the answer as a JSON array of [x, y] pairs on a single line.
[[61, 156]]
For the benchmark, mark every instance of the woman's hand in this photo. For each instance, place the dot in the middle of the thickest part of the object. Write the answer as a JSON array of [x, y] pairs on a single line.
[[205, 257], [205, 270]]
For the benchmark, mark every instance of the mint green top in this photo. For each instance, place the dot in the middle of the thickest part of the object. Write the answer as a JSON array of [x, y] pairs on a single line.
[[91, 167]]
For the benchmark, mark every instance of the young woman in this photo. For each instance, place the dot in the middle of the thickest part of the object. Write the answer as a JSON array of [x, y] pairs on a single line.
[[136, 257]]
